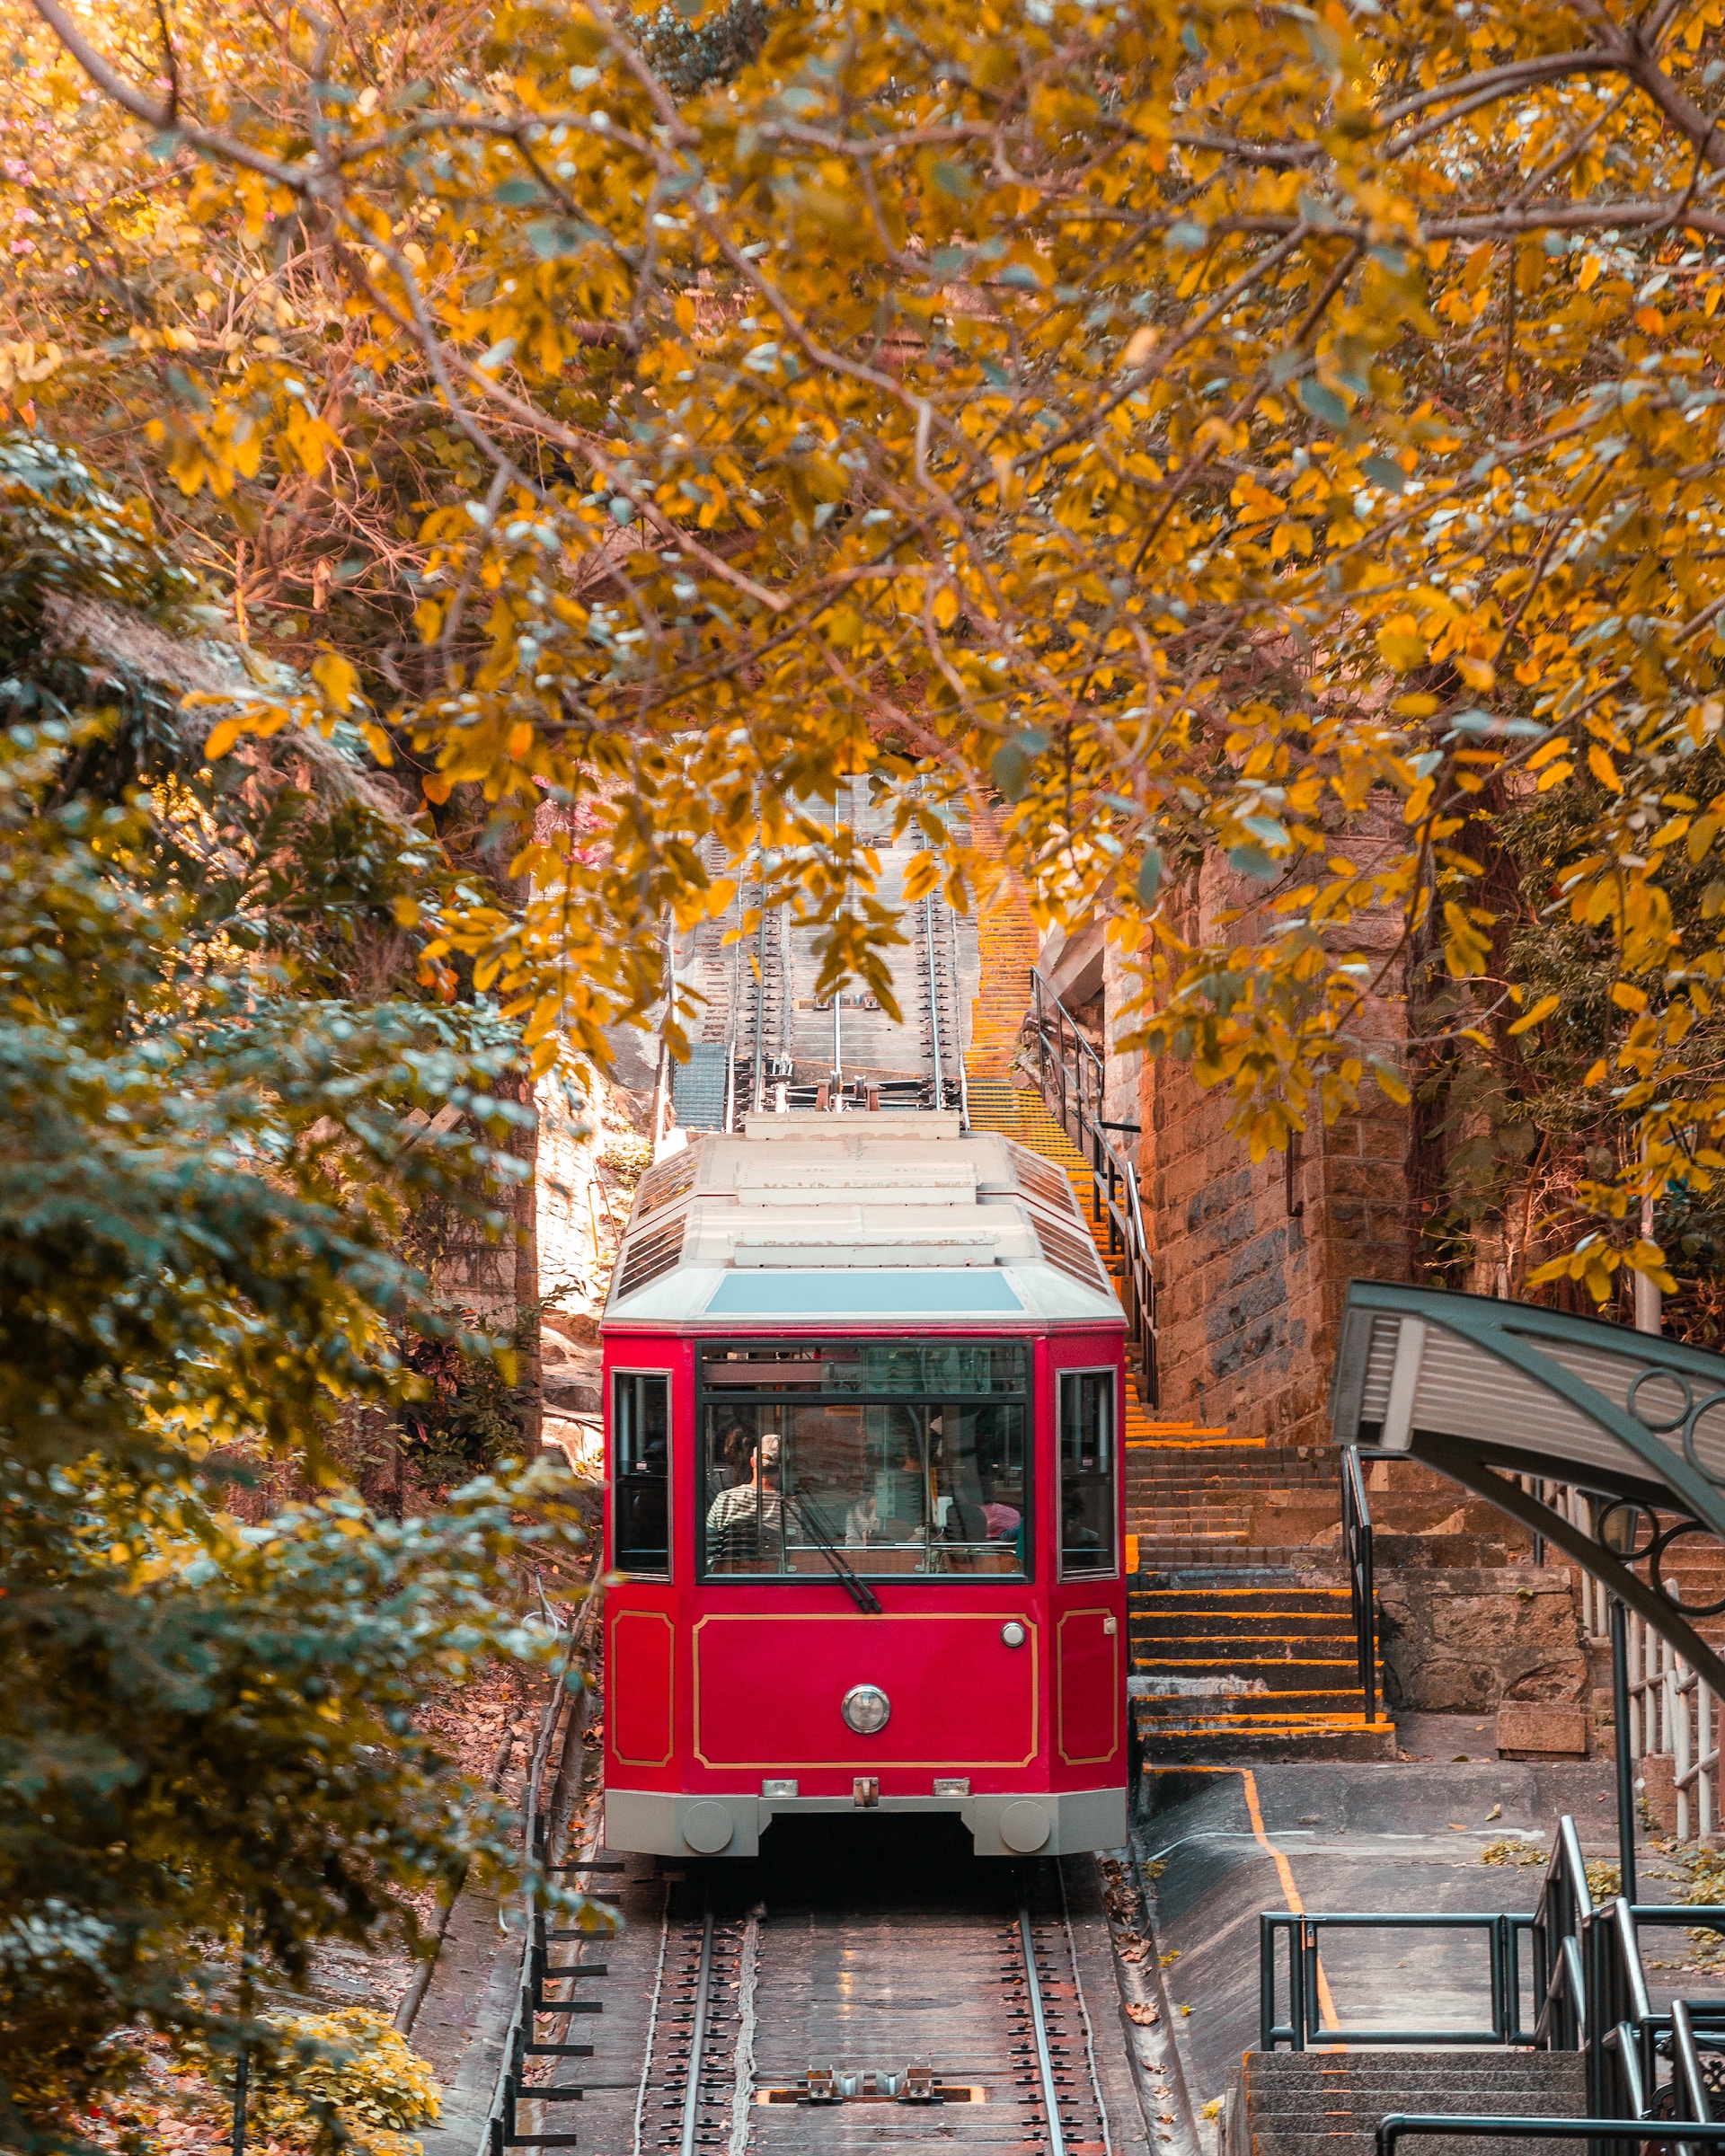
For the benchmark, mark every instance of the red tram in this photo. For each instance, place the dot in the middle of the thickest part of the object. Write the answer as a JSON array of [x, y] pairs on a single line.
[[862, 1381]]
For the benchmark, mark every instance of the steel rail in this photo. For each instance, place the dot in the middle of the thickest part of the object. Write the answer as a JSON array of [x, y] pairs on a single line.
[[757, 1089], [698, 2036], [1039, 2027], [939, 1101]]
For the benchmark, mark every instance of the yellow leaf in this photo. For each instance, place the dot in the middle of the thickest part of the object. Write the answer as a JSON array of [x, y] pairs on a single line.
[[1554, 774], [520, 740], [921, 875], [222, 738], [1391, 1081], [1400, 642], [1627, 998], [1595, 1076], [1541, 1010], [406, 912], [427, 619], [436, 787], [1602, 767], [946, 607], [1477, 673], [336, 678]]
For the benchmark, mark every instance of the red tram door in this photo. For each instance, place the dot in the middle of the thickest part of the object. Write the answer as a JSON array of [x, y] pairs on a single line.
[[1087, 1596]]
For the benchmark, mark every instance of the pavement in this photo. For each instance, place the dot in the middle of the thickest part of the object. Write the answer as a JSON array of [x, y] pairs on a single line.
[[1401, 1836]]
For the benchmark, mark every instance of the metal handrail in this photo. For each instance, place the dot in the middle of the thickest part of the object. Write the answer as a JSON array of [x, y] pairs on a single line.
[[565, 1717], [1690, 2099], [1560, 1978], [1632, 2133], [1357, 1545], [1071, 1077], [1305, 2025]]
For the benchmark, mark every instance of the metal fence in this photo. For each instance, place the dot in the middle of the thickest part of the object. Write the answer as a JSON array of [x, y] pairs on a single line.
[[1580, 1987], [1071, 1077], [1673, 1713], [561, 1728]]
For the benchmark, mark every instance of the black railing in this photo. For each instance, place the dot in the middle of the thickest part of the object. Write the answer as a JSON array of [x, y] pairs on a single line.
[[1564, 1910], [1070, 1076], [550, 1785], [1305, 2027], [1357, 1548], [1586, 1990], [1400, 2126]]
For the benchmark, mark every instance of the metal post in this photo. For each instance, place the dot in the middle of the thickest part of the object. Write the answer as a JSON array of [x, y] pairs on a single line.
[[1625, 1761], [243, 2056], [1650, 1301]]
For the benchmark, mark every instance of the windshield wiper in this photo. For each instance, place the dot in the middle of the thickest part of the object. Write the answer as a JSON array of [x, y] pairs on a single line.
[[859, 1590]]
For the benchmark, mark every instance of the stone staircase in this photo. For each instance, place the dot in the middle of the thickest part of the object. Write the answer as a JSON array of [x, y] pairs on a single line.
[[1242, 1643], [1249, 1662], [1329, 2103]]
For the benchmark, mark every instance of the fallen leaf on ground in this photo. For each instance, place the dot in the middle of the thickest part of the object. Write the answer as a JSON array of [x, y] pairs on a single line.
[[1143, 2013]]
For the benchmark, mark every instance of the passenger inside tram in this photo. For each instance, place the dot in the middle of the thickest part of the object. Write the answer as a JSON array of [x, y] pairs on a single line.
[[917, 1486], [745, 1520]]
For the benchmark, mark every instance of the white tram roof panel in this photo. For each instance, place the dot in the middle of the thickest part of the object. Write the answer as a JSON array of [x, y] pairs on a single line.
[[817, 1218]]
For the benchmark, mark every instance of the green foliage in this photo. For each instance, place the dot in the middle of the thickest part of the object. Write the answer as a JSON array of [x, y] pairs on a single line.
[[206, 1173], [351, 2065], [345, 2074], [465, 1419]]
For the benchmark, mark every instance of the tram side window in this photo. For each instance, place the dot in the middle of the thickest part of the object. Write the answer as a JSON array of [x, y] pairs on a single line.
[[641, 1434], [1086, 1473]]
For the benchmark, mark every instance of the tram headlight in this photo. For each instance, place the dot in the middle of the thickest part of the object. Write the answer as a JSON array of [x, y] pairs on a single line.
[[866, 1709]]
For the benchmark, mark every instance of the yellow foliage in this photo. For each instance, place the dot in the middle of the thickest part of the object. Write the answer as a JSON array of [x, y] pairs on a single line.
[[1001, 420]]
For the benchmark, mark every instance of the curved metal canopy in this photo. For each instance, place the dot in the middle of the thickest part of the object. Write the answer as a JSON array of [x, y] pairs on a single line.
[[1484, 1390]]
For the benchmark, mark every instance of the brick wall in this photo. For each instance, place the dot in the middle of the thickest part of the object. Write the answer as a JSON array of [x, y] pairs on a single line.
[[1250, 1285]]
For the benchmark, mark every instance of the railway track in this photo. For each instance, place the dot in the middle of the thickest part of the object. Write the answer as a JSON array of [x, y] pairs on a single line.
[[785, 1034], [770, 2008]]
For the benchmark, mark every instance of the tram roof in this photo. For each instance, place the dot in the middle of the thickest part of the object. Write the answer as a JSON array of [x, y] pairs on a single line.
[[814, 1219]]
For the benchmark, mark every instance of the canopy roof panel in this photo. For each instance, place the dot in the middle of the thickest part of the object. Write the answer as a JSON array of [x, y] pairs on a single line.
[[1489, 1391], [1572, 1400]]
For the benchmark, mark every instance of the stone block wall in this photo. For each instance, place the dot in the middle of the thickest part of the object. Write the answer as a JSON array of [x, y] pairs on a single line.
[[1253, 1260], [1465, 1641]]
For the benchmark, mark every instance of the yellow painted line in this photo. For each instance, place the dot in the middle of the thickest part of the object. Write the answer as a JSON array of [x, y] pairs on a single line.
[[1285, 1873]]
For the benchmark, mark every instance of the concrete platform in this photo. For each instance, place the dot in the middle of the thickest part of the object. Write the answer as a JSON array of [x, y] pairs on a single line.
[[1394, 1836]]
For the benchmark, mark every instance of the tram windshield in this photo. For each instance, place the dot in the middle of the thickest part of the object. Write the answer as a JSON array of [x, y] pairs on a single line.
[[906, 1456]]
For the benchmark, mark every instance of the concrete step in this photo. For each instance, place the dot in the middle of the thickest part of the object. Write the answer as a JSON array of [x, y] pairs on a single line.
[[1260, 1626], [1328, 2103], [1337, 1739], [1307, 1568]]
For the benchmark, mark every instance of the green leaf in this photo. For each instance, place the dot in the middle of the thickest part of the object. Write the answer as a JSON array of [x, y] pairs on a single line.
[[1322, 402], [1149, 879]]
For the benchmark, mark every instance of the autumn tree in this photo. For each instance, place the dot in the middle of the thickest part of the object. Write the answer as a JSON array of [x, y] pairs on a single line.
[[1214, 428], [211, 1145]]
